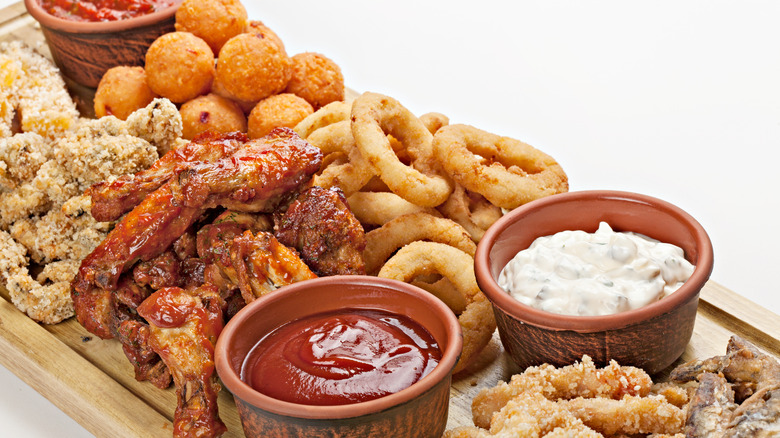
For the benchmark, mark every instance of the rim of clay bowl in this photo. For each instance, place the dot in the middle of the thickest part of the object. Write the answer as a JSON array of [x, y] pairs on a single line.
[[245, 392], [589, 324], [55, 23]]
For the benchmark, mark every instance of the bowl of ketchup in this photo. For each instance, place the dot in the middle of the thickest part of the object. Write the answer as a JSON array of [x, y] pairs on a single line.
[[346, 356], [88, 37]]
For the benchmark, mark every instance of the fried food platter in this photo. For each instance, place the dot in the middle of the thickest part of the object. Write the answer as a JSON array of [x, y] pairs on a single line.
[[103, 396]]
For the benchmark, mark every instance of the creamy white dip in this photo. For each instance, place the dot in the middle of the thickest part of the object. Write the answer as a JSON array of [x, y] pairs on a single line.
[[601, 273]]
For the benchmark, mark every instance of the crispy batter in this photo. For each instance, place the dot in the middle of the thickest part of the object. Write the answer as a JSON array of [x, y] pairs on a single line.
[[581, 379], [529, 415], [629, 415], [43, 215], [32, 88]]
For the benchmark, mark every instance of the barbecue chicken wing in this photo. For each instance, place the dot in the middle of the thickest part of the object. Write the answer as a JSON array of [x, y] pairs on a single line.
[[320, 225], [183, 329], [110, 200]]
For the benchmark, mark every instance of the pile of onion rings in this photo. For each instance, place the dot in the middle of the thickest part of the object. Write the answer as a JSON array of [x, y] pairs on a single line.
[[426, 191]]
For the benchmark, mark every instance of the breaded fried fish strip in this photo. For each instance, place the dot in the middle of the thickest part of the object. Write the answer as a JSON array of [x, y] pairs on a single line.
[[529, 415], [627, 416], [581, 379]]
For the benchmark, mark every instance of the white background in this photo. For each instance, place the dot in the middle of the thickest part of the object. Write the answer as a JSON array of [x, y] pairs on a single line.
[[675, 99]]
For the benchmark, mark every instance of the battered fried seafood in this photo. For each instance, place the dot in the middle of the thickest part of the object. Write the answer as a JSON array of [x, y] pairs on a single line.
[[374, 117], [738, 394], [343, 165], [581, 379], [382, 242], [430, 258], [44, 216], [506, 171], [32, 89]]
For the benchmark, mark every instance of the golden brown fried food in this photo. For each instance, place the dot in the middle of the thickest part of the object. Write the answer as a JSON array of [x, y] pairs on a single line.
[[471, 210], [421, 259], [343, 165], [434, 121], [252, 67], [211, 112], [581, 379], [378, 208], [214, 21], [32, 90], [258, 27], [504, 170], [529, 415], [46, 218], [375, 118], [121, 91], [627, 416], [316, 78], [280, 110], [179, 66], [382, 242]]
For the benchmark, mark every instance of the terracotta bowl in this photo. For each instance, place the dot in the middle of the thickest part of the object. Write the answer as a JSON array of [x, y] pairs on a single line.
[[85, 50], [651, 337], [417, 411]]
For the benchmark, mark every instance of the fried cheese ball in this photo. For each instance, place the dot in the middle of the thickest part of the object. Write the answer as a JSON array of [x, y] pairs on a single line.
[[215, 21], [316, 78], [121, 91], [252, 67], [256, 26], [285, 110], [211, 112], [179, 66]]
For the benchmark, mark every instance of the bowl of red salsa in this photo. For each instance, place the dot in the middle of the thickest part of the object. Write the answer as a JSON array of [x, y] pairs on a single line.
[[347, 356], [87, 37]]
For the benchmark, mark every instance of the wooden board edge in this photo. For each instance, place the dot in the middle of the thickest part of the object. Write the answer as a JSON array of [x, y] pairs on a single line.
[[28, 350], [741, 313], [12, 12]]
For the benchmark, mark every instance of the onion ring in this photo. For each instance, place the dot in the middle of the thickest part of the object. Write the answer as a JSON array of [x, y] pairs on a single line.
[[471, 210], [379, 208], [375, 116], [327, 115], [382, 242], [507, 172], [343, 165], [425, 258], [434, 121]]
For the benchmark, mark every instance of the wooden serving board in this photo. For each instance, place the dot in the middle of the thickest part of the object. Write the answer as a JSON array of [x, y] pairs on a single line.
[[92, 381]]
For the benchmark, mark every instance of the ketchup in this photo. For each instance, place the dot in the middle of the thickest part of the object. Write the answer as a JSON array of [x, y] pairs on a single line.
[[341, 357], [102, 10]]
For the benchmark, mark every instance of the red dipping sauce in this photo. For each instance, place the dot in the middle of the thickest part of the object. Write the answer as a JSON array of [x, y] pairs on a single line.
[[102, 10], [341, 357]]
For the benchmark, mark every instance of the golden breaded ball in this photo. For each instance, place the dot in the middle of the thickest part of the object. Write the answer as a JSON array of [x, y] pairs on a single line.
[[215, 21], [316, 78], [121, 91], [279, 110], [256, 26], [252, 67], [179, 66], [211, 112], [218, 89]]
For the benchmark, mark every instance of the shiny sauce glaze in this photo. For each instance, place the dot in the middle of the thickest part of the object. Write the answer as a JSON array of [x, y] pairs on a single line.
[[102, 10], [341, 357]]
